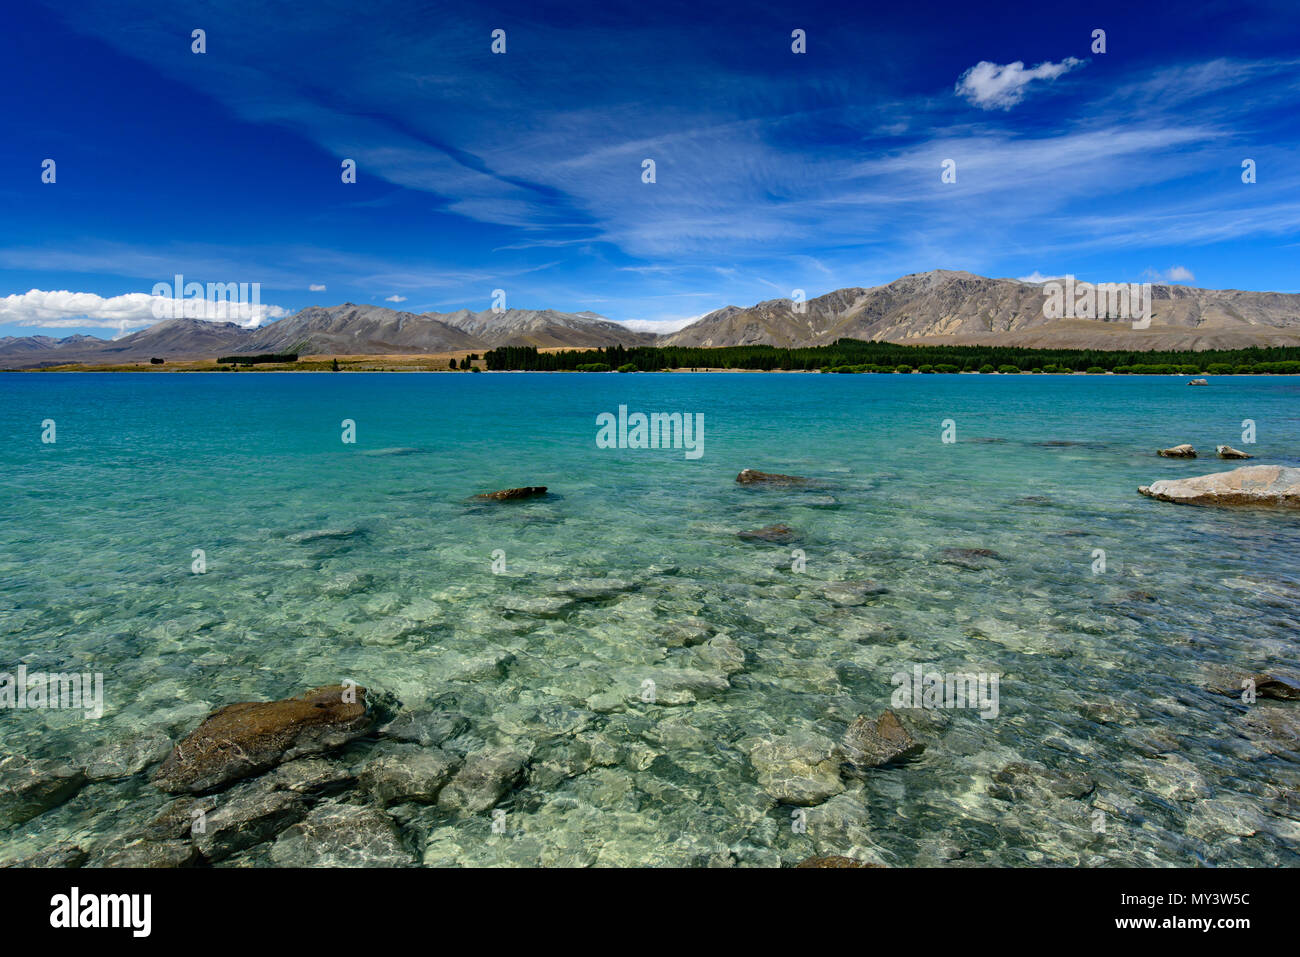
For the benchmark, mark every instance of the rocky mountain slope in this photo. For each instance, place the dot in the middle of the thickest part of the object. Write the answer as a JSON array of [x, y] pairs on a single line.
[[962, 308], [337, 330], [543, 328]]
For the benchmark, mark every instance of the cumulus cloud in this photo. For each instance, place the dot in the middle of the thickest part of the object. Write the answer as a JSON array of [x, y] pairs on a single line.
[[316, 287], [1172, 274], [1037, 277], [395, 298], [61, 309], [991, 86]]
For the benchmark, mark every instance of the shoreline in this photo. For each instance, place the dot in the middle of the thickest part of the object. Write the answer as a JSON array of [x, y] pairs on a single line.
[[285, 368]]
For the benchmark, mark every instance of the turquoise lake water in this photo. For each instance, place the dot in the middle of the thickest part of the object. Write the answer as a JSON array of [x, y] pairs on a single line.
[[369, 561]]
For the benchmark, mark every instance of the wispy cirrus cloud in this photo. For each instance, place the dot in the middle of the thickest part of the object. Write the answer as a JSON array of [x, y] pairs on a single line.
[[524, 171]]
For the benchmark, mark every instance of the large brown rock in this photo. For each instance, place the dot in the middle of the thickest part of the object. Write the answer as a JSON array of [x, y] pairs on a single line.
[[248, 738], [1251, 485]]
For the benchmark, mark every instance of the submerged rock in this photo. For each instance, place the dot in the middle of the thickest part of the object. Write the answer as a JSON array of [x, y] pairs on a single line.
[[1271, 485], [249, 812], [245, 816], [976, 559], [396, 450], [313, 776], [541, 606], [321, 535], [852, 594], [178, 819], [802, 768], [721, 654], [426, 728], [483, 780], [779, 534], [513, 494], [29, 788], [1198, 382], [152, 854], [564, 758], [677, 686], [1021, 781], [754, 477], [1274, 728], [1228, 452], [121, 759], [347, 583], [1281, 686], [247, 738], [685, 633], [875, 742], [342, 835], [593, 589], [1177, 452], [489, 666], [412, 774], [835, 860], [63, 855]]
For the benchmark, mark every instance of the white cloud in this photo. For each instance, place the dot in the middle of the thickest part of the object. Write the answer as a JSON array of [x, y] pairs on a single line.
[[1037, 277], [659, 326], [316, 287], [1172, 274], [395, 298], [62, 309], [991, 86]]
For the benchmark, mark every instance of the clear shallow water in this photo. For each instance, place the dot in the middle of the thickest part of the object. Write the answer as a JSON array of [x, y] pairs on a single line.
[[328, 561]]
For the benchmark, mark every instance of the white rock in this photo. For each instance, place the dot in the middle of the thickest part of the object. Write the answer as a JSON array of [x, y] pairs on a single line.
[[1251, 485]]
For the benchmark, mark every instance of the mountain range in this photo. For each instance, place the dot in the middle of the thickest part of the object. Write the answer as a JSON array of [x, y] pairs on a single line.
[[939, 306], [961, 308]]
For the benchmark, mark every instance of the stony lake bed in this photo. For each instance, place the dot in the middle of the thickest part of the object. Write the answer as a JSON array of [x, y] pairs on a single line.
[[650, 662]]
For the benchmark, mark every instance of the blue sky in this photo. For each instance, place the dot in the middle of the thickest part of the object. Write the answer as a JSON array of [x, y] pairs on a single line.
[[523, 171]]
